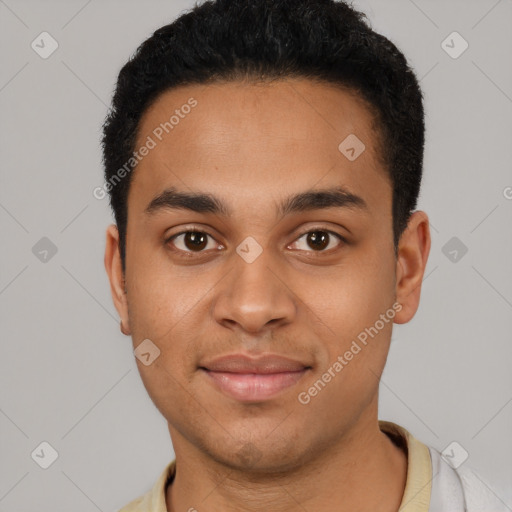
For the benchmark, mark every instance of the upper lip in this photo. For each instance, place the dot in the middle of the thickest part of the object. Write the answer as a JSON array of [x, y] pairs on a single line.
[[265, 364]]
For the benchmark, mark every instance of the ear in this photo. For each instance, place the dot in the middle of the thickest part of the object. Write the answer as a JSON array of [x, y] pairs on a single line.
[[115, 275], [413, 251]]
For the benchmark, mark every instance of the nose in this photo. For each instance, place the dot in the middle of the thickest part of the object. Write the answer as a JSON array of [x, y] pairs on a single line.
[[254, 297]]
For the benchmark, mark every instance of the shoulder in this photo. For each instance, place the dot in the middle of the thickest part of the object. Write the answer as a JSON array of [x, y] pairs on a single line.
[[448, 483], [480, 497], [461, 487]]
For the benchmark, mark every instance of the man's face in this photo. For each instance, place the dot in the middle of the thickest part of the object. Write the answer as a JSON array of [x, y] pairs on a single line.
[[307, 296]]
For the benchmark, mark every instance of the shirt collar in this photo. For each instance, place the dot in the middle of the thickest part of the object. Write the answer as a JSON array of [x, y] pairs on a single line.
[[418, 487]]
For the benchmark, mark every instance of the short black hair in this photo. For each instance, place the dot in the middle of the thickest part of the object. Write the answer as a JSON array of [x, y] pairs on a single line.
[[259, 40]]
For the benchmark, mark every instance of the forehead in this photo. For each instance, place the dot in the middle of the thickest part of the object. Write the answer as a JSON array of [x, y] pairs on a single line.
[[260, 139]]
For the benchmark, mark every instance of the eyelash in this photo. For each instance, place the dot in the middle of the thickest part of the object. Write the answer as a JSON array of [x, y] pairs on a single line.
[[310, 230]]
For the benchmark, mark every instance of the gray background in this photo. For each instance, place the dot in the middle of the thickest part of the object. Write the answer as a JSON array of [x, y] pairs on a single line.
[[68, 376]]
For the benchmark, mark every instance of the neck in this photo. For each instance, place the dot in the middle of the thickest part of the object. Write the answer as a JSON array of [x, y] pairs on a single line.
[[364, 471]]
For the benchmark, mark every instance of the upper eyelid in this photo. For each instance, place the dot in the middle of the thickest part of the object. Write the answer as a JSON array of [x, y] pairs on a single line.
[[326, 230]]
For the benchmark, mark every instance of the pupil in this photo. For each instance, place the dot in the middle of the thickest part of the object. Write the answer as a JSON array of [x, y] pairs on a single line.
[[195, 240], [318, 239]]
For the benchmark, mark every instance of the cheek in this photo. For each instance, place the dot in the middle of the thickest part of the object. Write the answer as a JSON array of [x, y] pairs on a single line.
[[160, 297], [352, 296], [167, 387], [349, 381], [350, 304], [161, 309]]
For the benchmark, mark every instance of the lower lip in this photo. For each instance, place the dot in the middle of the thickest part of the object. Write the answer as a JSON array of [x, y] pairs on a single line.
[[253, 387]]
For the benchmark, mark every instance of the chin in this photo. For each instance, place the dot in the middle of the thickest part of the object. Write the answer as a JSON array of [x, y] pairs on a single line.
[[260, 457]]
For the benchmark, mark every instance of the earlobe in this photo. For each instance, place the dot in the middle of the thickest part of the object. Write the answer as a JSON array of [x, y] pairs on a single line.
[[116, 277], [413, 251], [125, 331]]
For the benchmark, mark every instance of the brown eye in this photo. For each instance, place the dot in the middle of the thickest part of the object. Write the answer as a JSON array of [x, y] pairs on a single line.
[[195, 241], [191, 241], [318, 240]]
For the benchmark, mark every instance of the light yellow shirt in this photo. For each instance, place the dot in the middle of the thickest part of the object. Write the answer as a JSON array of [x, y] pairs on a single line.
[[416, 496]]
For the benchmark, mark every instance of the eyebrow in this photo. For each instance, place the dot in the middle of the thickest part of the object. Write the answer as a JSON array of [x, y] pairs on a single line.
[[337, 197]]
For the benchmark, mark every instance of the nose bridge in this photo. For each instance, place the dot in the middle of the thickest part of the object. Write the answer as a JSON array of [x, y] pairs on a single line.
[[254, 294]]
